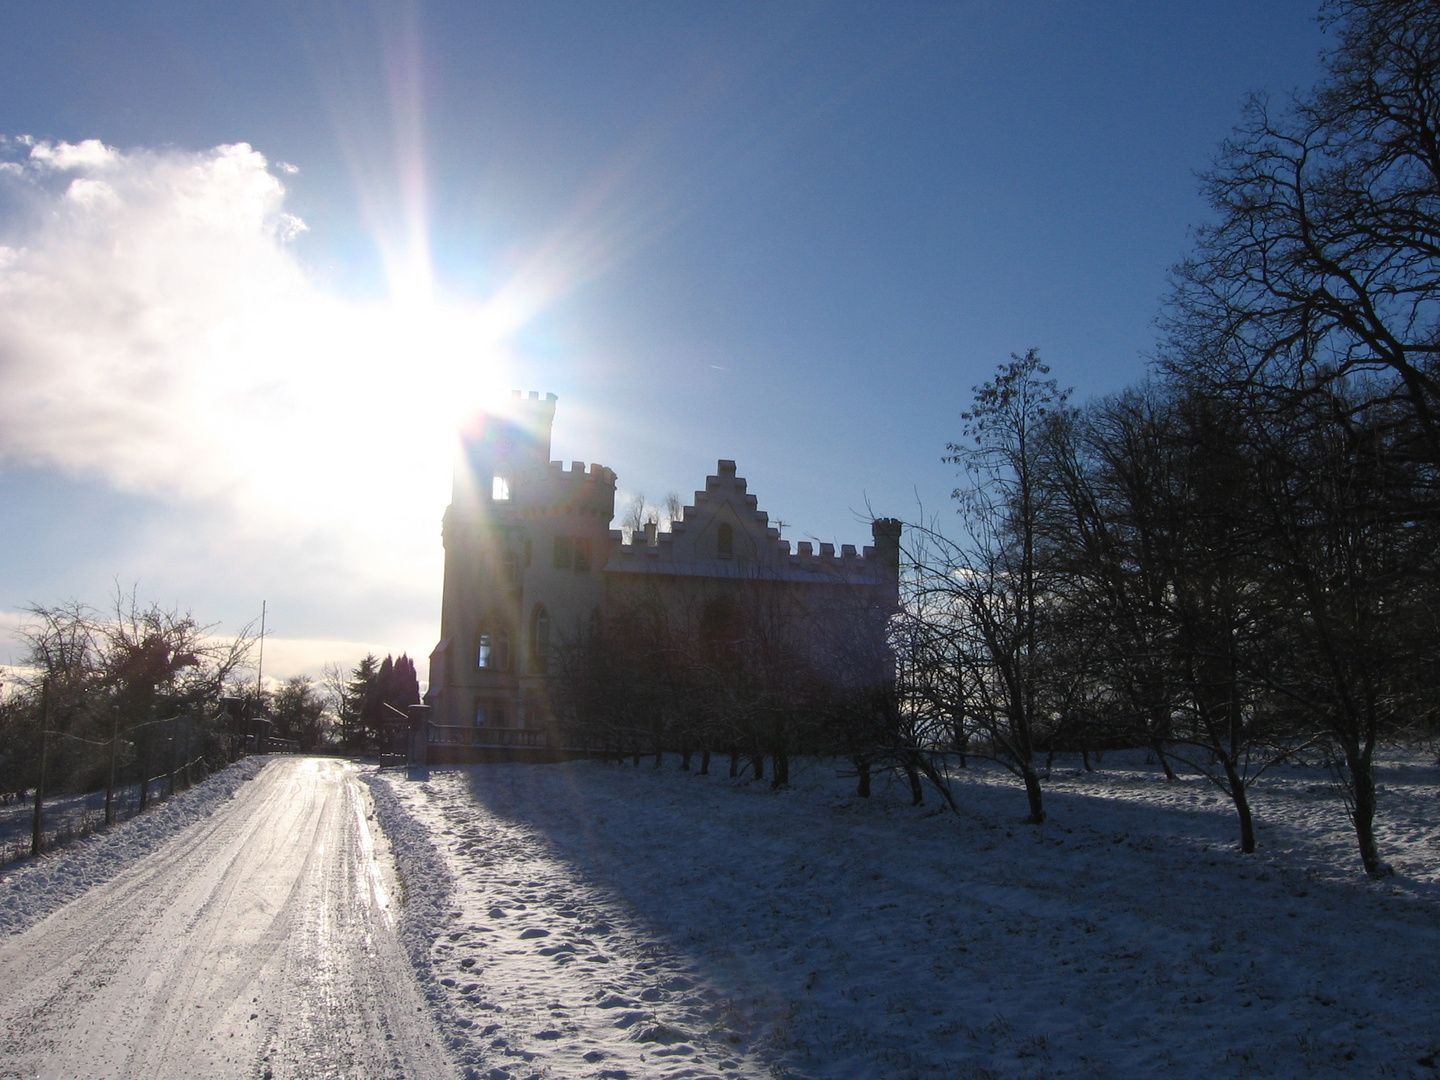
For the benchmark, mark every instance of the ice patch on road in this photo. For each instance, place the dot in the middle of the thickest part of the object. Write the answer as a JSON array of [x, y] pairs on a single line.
[[31, 890]]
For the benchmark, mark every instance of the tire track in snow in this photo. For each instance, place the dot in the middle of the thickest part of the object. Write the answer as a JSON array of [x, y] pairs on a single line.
[[258, 943]]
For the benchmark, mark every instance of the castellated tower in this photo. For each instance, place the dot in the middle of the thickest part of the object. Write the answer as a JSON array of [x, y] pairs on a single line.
[[532, 566], [525, 541]]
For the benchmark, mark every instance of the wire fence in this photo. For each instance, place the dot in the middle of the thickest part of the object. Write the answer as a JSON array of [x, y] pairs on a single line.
[[145, 763]]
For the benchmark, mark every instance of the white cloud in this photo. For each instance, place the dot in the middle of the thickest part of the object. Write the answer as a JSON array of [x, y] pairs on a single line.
[[91, 153], [91, 193], [159, 332]]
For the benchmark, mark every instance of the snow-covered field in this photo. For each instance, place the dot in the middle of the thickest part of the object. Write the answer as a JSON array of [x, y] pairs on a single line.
[[33, 889], [589, 920]]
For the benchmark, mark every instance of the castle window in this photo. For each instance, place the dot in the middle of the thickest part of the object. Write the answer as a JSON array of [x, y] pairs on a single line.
[[725, 542], [540, 640], [493, 653], [582, 555], [500, 488], [564, 552], [720, 631], [490, 714]]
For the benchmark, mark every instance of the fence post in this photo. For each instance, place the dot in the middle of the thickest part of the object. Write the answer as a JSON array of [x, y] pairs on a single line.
[[229, 709], [146, 759], [185, 773], [419, 744], [110, 785], [36, 832], [174, 749]]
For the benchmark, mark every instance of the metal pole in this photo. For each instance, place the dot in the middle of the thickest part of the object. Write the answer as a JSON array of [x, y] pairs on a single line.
[[110, 787], [260, 663], [36, 834]]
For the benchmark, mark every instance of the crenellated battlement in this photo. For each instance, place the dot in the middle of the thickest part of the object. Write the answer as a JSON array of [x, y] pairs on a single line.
[[531, 560]]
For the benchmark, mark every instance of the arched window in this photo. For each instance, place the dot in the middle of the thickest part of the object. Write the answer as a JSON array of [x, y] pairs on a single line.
[[485, 655], [540, 640], [500, 488], [725, 543]]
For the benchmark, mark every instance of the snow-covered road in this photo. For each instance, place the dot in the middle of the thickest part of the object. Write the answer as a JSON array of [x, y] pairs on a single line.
[[259, 943]]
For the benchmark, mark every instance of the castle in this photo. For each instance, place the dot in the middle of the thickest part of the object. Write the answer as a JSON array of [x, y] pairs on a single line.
[[532, 567]]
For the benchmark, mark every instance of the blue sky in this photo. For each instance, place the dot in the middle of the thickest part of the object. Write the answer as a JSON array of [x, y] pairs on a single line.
[[795, 235]]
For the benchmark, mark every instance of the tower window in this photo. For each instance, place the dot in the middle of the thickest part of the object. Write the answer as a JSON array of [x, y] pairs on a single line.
[[564, 552], [493, 653], [582, 554], [500, 488], [725, 542]]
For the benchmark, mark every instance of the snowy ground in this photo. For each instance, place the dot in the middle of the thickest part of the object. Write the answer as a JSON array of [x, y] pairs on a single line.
[[586, 920]]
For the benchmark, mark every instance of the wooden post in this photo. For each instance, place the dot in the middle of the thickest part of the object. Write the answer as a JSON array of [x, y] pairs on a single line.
[[185, 777], [37, 835], [110, 786], [148, 728], [174, 753]]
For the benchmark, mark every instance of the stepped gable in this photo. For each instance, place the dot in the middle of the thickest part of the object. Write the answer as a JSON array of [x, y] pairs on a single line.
[[695, 545]]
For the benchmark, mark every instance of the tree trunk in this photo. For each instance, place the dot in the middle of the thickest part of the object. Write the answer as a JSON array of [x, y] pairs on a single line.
[[862, 770], [758, 761], [1034, 795], [781, 775], [1085, 758], [1158, 746], [917, 790], [685, 761], [734, 764], [705, 762], [1241, 798], [1362, 790]]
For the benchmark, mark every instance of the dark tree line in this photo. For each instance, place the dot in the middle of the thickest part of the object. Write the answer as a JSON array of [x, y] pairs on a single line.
[[90, 675], [1235, 562], [370, 701]]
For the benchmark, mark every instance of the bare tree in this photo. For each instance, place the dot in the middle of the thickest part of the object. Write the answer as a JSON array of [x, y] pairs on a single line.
[[992, 584]]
